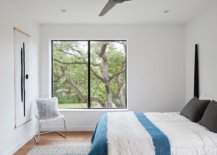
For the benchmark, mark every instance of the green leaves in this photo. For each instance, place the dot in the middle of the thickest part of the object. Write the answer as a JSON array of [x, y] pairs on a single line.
[[70, 73]]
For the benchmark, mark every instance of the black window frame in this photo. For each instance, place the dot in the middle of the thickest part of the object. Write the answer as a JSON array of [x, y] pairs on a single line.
[[89, 93]]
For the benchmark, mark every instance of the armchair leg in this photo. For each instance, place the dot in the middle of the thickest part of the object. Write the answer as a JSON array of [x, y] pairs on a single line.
[[36, 140], [37, 137], [64, 124], [63, 135]]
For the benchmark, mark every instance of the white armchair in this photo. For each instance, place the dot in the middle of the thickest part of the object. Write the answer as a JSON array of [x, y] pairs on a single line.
[[47, 110]]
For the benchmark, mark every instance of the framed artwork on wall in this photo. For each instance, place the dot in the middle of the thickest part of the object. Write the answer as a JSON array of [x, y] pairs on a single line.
[[21, 85]]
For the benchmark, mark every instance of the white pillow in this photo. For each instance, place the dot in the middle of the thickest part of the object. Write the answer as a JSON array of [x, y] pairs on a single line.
[[207, 97], [47, 108]]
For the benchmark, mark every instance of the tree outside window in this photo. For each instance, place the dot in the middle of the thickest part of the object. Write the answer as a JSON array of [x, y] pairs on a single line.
[[89, 74]]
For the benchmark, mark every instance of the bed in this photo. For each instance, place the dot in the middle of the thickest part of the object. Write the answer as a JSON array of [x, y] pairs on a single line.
[[129, 133]]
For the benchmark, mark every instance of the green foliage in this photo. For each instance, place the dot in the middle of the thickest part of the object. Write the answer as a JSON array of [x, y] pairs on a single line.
[[70, 72]]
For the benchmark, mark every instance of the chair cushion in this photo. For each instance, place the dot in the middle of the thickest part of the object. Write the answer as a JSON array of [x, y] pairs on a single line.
[[194, 109], [47, 108], [209, 119]]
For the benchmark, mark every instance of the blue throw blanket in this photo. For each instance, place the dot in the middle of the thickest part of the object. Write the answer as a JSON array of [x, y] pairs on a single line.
[[160, 140], [99, 138], [100, 144]]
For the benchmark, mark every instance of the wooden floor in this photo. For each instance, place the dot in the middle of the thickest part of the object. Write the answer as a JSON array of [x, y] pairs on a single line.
[[55, 139]]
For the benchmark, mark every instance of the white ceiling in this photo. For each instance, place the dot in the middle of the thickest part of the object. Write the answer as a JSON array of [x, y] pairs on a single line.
[[132, 12]]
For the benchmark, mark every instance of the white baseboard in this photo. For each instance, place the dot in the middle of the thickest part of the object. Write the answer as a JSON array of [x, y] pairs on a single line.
[[69, 128], [19, 144]]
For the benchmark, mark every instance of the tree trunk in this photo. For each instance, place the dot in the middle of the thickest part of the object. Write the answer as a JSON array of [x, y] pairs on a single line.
[[105, 73], [121, 95]]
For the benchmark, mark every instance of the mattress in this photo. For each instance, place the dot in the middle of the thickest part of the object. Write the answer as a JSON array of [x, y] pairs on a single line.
[[185, 137], [125, 136]]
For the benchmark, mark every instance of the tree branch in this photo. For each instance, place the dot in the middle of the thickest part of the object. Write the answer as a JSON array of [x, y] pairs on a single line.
[[96, 88], [77, 90], [93, 99], [98, 76], [75, 63], [117, 74], [78, 51]]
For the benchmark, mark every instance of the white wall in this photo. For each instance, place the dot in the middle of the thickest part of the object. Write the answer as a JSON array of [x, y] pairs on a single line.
[[202, 30], [155, 66], [10, 138]]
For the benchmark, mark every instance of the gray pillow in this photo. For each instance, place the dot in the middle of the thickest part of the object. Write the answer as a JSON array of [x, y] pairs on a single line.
[[47, 108], [194, 109], [209, 119]]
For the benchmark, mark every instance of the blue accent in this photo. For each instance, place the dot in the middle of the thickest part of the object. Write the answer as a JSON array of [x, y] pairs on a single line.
[[160, 140], [99, 138]]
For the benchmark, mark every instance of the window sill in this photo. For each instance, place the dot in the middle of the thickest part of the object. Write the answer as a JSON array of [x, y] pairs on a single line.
[[92, 110]]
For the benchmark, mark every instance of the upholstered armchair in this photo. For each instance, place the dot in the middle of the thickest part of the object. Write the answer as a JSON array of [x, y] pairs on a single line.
[[47, 110]]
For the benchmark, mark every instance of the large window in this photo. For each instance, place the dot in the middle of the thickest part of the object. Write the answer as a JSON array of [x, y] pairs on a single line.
[[89, 74]]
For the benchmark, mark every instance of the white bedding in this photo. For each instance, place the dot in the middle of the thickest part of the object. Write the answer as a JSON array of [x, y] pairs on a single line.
[[123, 133], [185, 137], [128, 137]]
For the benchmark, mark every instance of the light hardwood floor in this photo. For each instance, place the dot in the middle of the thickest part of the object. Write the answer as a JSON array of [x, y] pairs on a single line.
[[55, 139]]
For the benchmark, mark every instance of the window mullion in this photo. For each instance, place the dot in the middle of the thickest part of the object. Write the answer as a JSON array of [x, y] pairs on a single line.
[[89, 95]]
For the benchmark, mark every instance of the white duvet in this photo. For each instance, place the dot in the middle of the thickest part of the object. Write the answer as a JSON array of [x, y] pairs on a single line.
[[186, 138]]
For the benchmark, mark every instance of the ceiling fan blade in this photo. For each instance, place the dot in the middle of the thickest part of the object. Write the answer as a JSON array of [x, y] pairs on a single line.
[[110, 4]]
